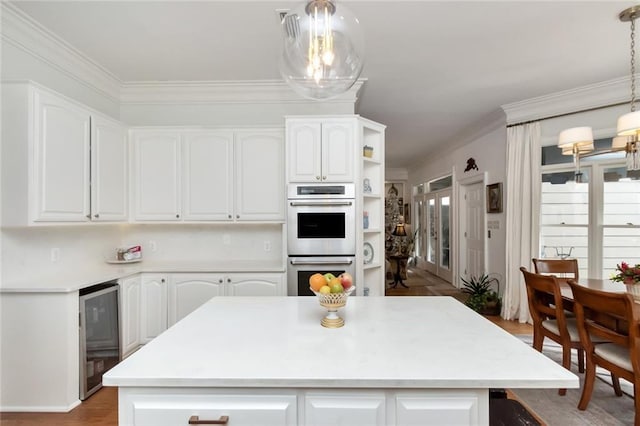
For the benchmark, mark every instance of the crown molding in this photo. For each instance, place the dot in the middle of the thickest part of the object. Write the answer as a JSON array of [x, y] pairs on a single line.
[[26, 34], [222, 92], [606, 93]]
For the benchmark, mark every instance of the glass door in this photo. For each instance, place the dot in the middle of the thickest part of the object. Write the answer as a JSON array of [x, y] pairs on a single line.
[[437, 236]]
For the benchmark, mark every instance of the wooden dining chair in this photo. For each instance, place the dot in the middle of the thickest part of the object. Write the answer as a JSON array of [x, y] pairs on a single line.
[[549, 318], [616, 318], [562, 268]]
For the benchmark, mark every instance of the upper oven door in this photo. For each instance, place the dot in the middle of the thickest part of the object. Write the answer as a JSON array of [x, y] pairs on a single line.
[[321, 227]]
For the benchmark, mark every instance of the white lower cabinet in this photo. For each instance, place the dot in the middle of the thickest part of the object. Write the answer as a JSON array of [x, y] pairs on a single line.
[[309, 407], [188, 291], [153, 306], [255, 285], [129, 314], [345, 408], [178, 408]]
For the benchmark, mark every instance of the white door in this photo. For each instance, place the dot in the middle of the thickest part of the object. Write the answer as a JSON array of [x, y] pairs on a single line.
[[187, 292], [472, 232], [208, 176], [260, 186], [337, 151], [156, 171], [108, 170], [130, 314], [62, 135], [153, 306], [255, 285], [304, 151], [437, 238]]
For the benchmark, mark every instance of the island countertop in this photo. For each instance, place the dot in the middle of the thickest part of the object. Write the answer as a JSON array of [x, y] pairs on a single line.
[[386, 342]]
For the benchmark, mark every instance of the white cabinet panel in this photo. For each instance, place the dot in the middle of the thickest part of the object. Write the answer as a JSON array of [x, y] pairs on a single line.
[[153, 306], [129, 314], [174, 410], [108, 170], [440, 409], [337, 151], [348, 409], [208, 175], [187, 292], [156, 172], [62, 138], [304, 151], [260, 186], [255, 285]]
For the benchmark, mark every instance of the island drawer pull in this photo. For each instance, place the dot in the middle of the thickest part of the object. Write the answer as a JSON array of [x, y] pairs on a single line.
[[195, 420]]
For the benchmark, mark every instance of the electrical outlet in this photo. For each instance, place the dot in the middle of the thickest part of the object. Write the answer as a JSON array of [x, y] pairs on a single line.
[[55, 255], [153, 246], [267, 245], [226, 239]]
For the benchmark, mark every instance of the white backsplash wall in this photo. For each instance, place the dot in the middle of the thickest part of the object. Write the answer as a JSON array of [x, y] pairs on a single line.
[[207, 242], [29, 252]]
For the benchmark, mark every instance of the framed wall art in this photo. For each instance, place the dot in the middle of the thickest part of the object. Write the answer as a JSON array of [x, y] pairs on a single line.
[[494, 198]]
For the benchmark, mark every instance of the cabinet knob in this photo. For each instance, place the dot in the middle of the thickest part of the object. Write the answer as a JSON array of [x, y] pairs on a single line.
[[195, 420], [220, 280], [317, 177], [162, 280], [237, 216], [228, 280], [324, 178], [89, 216], [178, 216], [96, 215], [230, 216]]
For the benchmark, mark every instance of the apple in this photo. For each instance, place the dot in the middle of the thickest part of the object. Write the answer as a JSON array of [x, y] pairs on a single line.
[[335, 286], [346, 280], [329, 276]]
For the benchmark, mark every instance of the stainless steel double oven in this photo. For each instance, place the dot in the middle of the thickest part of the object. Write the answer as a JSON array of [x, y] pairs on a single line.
[[321, 233]]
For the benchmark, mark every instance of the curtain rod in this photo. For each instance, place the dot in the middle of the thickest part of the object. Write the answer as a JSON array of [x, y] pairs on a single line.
[[567, 113]]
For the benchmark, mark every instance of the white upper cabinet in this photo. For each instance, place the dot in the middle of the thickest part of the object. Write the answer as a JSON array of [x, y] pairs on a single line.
[[61, 162], [156, 175], [208, 175], [260, 187], [61, 153], [108, 170], [321, 150]]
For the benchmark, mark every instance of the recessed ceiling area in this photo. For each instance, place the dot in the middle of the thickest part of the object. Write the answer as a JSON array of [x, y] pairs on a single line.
[[434, 68]]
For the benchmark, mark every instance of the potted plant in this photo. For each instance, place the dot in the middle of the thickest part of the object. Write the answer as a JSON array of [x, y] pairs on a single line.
[[482, 298]]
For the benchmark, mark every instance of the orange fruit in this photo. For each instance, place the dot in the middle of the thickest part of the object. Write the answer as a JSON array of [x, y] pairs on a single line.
[[316, 281]]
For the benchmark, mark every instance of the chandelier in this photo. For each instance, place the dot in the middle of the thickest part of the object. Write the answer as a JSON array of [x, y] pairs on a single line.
[[578, 141], [323, 51]]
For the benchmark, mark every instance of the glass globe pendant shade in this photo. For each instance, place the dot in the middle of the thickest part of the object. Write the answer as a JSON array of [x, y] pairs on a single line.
[[323, 49]]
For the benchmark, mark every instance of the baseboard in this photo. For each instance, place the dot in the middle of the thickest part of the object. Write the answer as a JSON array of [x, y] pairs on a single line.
[[40, 409]]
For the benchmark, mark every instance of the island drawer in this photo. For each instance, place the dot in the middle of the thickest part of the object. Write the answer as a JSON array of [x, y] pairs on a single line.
[[178, 408]]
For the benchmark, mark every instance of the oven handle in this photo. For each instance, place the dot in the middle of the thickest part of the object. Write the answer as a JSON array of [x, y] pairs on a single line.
[[321, 262], [320, 203]]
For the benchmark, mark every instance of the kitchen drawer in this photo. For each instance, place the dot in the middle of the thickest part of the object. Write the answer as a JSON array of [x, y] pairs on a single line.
[[175, 409]]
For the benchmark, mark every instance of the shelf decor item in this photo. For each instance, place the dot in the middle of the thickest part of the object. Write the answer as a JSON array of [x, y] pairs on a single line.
[[333, 301], [367, 252], [630, 276], [367, 151]]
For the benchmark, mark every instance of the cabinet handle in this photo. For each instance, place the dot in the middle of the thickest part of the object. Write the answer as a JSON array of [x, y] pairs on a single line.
[[96, 215], [195, 420]]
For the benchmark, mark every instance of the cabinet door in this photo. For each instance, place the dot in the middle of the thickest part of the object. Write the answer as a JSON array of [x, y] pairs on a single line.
[[338, 145], [187, 292], [304, 152], [108, 170], [156, 172], [255, 285], [260, 175], [129, 315], [61, 134], [153, 306], [345, 408], [207, 176]]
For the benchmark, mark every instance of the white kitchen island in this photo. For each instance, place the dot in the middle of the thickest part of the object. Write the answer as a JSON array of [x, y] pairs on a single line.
[[268, 361]]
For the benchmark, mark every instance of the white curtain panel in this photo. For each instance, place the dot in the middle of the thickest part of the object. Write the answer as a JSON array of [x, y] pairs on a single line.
[[523, 215]]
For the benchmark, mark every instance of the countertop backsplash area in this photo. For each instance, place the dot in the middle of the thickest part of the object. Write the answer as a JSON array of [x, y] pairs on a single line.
[[37, 253]]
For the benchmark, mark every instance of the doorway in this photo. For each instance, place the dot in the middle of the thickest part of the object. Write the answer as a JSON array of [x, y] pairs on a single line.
[[471, 229], [435, 221]]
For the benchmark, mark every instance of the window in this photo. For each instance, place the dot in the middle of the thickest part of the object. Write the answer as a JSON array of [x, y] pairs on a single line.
[[597, 220]]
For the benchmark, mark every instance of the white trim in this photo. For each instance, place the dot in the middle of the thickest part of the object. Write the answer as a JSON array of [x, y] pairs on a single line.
[[597, 95], [26, 34], [222, 92], [41, 408]]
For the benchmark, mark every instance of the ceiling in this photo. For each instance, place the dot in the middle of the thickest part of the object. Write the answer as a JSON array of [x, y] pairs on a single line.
[[434, 69]]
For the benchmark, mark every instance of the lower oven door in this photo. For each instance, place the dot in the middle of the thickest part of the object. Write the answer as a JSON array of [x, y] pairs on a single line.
[[301, 268]]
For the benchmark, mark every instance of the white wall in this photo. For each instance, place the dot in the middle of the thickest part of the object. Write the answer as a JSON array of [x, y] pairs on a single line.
[[489, 151]]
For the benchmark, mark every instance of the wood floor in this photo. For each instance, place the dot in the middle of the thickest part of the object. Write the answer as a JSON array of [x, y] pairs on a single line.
[[101, 409]]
